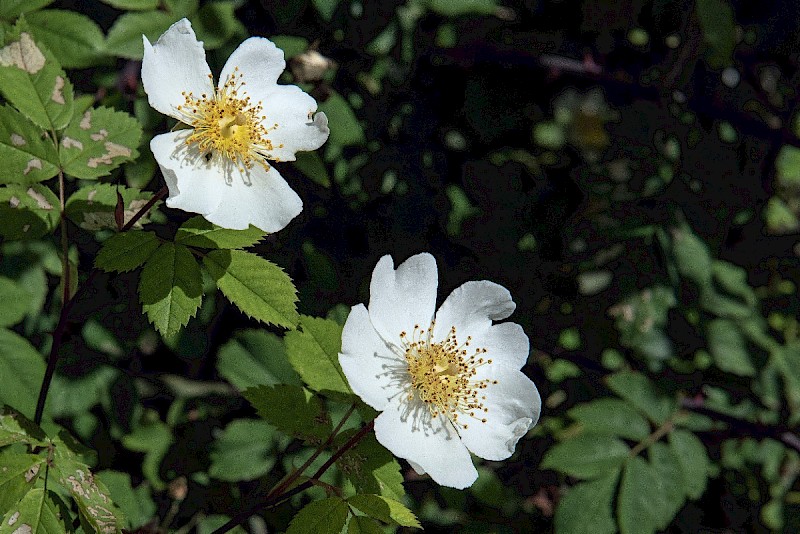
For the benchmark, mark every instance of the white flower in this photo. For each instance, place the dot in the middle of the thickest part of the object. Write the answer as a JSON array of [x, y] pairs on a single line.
[[218, 167], [446, 386]]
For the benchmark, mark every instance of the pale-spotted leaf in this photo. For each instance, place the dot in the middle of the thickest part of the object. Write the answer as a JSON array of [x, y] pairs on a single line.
[[313, 351], [32, 80], [16, 428], [37, 513], [170, 288], [89, 493], [126, 251], [97, 142], [327, 516], [258, 287], [27, 212], [27, 156], [18, 474], [94, 207], [198, 232]]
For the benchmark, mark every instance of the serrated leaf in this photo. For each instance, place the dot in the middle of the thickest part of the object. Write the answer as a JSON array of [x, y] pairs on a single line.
[[198, 232], [15, 302], [309, 421], [327, 516], [311, 165], [384, 509], [693, 459], [32, 80], [91, 495], [243, 451], [133, 5], [170, 288], [27, 156], [363, 525], [19, 359], [126, 251], [587, 455], [371, 468], [344, 125], [586, 508], [94, 207], [73, 38], [27, 212], [314, 354], [639, 391], [36, 513], [18, 473], [125, 36], [258, 287], [16, 428], [729, 347], [611, 416], [98, 141], [254, 358]]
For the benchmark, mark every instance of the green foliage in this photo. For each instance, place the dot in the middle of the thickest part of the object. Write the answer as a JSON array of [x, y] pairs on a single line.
[[344, 125], [20, 359], [256, 286], [455, 8], [586, 508], [719, 30], [91, 495], [36, 512], [99, 206], [327, 516], [313, 351], [126, 251], [587, 456], [309, 421], [14, 298], [125, 36], [253, 358], [154, 439], [370, 468], [170, 288], [198, 232], [244, 451], [384, 509], [75, 40], [135, 503], [27, 157], [27, 212], [20, 472]]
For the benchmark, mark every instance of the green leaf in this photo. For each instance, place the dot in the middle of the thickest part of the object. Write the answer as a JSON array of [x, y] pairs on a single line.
[[345, 128], [371, 468], [611, 416], [132, 5], [91, 495], [291, 46], [11, 9], [455, 8], [639, 391], [363, 525], [384, 509], [258, 287], [587, 455], [692, 256], [20, 360], [313, 351], [125, 36], [94, 207], [27, 156], [18, 473], [326, 8], [310, 164], [669, 491], [253, 358], [16, 428], [75, 39], [198, 232], [216, 23], [135, 503], [170, 288], [715, 18], [181, 8], [154, 439], [32, 80], [15, 302], [244, 451], [126, 251], [729, 347], [586, 508], [641, 506], [98, 141], [327, 516], [27, 212], [308, 420], [35, 513], [693, 459]]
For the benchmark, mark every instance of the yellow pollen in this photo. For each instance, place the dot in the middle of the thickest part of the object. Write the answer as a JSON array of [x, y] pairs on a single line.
[[228, 124], [443, 375]]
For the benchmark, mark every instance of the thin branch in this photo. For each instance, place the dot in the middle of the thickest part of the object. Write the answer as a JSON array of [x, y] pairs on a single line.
[[150, 203]]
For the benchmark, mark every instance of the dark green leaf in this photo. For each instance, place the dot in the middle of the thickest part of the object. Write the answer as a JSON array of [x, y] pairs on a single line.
[[384, 509], [345, 128], [310, 164], [692, 256], [15, 302], [170, 288], [308, 420], [135, 503], [363, 525], [198, 232], [644, 504], [455, 8], [216, 23], [639, 391], [670, 489], [254, 358], [611, 416], [327, 516], [586, 508], [371, 468], [27, 156], [719, 30], [326, 8], [126, 251], [75, 39], [181, 8], [11, 9], [256, 286], [27, 212], [153, 439], [693, 459], [729, 347], [314, 353], [243, 451], [587, 455], [125, 36], [19, 359]]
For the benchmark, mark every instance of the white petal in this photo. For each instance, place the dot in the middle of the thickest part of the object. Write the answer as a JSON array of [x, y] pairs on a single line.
[[195, 184], [367, 361], [506, 344], [435, 448], [291, 122], [256, 196], [513, 407], [176, 63], [259, 62], [471, 308], [400, 299]]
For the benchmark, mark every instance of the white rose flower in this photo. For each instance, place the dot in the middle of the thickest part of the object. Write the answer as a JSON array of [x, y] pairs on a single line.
[[218, 166], [446, 385]]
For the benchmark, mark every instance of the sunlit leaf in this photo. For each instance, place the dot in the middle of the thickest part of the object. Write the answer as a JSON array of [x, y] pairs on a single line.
[[37, 513], [384, 509], [327, 516], [198, 232], [73, 38], [27, 156], [313, 351], [18, 474]]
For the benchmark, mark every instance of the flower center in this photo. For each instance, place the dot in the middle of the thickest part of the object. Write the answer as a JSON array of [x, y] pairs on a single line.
[[443, 375], [227, 123]]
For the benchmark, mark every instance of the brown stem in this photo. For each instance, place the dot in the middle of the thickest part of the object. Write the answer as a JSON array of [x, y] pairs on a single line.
[[150, 203]]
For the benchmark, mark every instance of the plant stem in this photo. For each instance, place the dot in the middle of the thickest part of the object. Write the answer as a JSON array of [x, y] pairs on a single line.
[[65, 270], [273, 500], [150, 203]]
